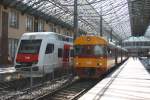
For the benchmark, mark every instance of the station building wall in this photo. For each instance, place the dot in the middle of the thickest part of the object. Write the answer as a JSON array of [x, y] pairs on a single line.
[[19, 23]]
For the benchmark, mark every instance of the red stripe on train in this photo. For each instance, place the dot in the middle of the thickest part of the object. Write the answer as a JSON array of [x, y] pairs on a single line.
[[27, 58]]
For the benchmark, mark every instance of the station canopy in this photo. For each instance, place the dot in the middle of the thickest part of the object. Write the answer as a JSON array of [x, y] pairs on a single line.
[[115, 13], [140, 16]]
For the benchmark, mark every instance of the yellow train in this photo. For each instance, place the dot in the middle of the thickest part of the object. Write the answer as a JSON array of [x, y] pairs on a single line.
[[94, 56]]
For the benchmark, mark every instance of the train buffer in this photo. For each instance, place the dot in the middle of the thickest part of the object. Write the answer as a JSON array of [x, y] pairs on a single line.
[[131, 81]]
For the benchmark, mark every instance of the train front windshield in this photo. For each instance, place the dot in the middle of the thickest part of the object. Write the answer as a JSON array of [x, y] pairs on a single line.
[[29, 46], [90, 50]]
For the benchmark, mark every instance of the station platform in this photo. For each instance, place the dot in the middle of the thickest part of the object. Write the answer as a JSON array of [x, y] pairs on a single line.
[[7, 70], [8, 73], [131, 81]]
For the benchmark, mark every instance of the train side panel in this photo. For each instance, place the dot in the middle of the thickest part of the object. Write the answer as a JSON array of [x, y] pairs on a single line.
[[87, 64], [51, 53]]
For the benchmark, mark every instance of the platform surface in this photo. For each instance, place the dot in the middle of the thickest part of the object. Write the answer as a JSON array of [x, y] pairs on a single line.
[[131, 81], [7, 70]]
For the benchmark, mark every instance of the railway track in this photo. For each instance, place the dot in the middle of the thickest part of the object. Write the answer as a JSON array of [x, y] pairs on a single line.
[[76, 89], [21, 90], [70, 92], [12, 87], [63, 88]]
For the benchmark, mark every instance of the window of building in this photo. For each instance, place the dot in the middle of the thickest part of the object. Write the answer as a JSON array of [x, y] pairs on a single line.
[[29, 23], [12, 46], [55, 29], [14, 19], [66, 33], [40, 25], [51, 27], [59, 29]]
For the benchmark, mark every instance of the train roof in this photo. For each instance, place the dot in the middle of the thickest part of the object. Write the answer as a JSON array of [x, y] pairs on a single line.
[[43, 34], [89, 40], [48, 35]]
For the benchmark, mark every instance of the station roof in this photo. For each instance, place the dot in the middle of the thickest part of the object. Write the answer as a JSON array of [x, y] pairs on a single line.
[[139, 11], [115, 13]]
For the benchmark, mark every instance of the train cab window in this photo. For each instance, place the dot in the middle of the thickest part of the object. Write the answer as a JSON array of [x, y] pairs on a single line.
[[98, 50], [49, 48], [30, 46], [60, 52]]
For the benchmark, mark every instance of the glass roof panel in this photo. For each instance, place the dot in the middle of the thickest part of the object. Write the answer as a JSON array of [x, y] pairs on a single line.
[[114, 13]]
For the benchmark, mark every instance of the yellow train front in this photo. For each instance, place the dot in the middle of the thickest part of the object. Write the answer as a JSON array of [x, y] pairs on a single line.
[[94, 56]]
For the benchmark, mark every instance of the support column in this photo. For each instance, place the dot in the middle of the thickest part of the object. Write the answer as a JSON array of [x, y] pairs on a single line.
[[36, 25], [76, 34], [4, 39], [116, 57], [0, 35], [101, 26], [111, 35], [121, 50]]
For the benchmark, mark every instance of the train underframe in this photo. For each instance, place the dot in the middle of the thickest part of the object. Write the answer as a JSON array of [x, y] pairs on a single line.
[[90, 72]]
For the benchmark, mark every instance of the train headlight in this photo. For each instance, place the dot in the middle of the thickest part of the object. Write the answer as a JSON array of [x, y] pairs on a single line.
[[77, 63], [99, 64], [88, 38], [101, 57]]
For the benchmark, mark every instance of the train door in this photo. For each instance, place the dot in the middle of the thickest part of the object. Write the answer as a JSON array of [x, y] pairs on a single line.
[[116, 56], [60, 53], [49, 60], [66, 53], [71, 55], [60, 56]]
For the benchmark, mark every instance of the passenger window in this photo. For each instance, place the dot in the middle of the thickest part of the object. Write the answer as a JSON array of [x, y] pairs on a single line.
[[67, 39], [60, 51], [71, 53], [49, 48]]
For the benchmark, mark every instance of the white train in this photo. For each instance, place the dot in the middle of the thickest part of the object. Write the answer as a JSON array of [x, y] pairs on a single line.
[[43, 51]]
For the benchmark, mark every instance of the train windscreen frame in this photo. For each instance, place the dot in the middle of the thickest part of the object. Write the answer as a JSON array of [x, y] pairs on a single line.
[[90, 50], [30, 46]]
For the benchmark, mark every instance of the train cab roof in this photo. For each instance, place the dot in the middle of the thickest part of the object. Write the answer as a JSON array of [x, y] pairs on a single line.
[[42, 35], [34, 35], [90, 40], [39, 33]]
